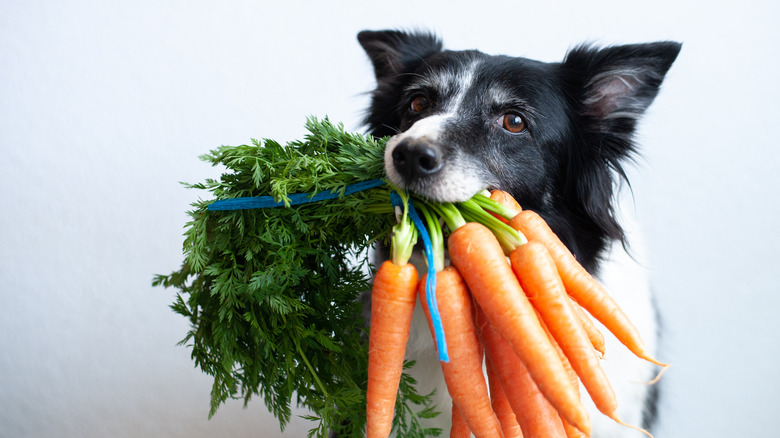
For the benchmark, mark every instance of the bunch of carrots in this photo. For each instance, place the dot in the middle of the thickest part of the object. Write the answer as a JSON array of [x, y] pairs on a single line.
[[513, 300]]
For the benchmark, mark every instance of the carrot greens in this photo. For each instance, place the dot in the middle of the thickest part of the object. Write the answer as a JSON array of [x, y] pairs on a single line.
[[272, 295]]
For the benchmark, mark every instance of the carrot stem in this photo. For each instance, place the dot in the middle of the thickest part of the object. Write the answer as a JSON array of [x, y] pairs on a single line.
[[451, 215], [317, 380], [508, 237], [491, 205], [435, 234], [404, 233]]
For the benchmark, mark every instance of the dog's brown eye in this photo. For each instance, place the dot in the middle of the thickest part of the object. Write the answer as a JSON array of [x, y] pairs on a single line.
[[419, 103], [513, 123]]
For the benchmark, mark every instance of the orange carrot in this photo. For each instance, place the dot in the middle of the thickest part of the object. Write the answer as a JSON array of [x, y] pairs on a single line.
[[571, 431], [595, 336], [533, 412], [506, 200], [581, 286], [501, 406], [392, 304], [539, 277], [475, 251], [463, 373], [459, 429]]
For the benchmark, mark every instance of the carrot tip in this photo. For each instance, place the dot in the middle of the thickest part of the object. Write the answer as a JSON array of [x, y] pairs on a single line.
[[651, 360], [658, 376], [622, 423]]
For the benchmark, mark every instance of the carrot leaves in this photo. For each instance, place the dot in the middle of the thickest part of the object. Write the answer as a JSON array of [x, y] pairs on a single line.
[[272, 295]]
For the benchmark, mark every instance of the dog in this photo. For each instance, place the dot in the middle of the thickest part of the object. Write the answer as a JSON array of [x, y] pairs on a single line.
[[555, 136]]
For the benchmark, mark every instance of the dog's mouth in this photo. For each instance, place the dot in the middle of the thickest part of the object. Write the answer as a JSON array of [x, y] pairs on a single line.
[[435, 193]]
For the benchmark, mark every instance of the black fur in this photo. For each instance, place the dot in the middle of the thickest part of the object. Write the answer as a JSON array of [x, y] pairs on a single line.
[[580, 116]]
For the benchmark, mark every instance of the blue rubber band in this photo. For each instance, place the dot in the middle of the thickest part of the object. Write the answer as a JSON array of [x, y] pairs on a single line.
[[295, 199], [256, 202], [430, 284]]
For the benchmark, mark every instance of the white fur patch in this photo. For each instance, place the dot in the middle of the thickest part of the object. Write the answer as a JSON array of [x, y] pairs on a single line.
[[461, 81], [453, 84]]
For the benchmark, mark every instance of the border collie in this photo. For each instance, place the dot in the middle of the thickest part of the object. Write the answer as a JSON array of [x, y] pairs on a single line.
[[555, 136]]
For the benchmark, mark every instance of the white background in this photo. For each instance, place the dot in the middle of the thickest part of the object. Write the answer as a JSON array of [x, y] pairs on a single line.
[[105, 106]]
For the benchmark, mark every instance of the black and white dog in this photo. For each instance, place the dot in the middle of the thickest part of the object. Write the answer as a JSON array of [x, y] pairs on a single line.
[[554, 135]]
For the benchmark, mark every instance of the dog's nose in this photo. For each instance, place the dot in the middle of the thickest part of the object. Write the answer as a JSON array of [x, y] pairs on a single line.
[[415, 159]]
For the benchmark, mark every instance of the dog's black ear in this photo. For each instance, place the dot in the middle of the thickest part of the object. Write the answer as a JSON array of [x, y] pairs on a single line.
[[393, 52], [617, 84], [611, 89]]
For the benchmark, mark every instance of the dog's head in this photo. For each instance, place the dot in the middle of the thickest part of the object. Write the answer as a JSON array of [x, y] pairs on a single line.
[[551, 134]]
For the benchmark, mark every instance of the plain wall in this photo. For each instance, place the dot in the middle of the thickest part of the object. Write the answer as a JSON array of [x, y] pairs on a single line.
[[105, 107]]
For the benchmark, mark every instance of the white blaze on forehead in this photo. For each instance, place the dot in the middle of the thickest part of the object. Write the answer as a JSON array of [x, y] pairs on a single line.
[[497, 95], [458, 83], [452, 84], [428, 128]]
